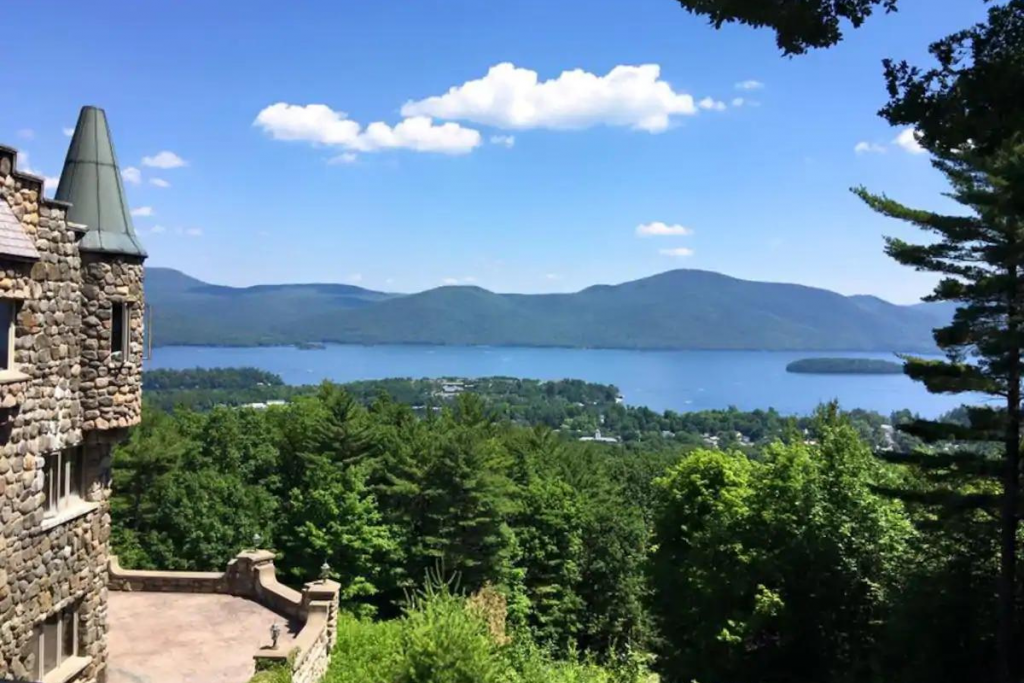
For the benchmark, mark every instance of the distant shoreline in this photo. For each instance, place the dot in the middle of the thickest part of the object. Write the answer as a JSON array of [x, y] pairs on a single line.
[[658, 349]]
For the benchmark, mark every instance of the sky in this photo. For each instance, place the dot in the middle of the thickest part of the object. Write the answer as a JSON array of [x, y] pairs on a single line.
[[528, 146]]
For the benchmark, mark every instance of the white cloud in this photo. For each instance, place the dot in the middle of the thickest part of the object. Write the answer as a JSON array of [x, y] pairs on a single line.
[[508, 141], [750, 85], [27, 134], [159, 182], [157, 229], [319, 124], [710, 103], [68, 132], [678, 252], [143, 211], [344, 158], [515, 98], [420, 134], [194, 232], [908, 140], [131, 175], [354, 278], [552, 276], [458, 280], [869, 148], [164, 159], [738, 101], [50, 182], [659, 229]]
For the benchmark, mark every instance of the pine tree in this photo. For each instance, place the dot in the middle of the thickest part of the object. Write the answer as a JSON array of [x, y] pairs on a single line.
[[968, 111], [981, 259]]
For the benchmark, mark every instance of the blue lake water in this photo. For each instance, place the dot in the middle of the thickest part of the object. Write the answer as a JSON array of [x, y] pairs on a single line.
[[661, 380]]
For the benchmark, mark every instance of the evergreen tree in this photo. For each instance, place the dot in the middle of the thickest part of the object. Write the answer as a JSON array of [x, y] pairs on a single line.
[[968, 111]]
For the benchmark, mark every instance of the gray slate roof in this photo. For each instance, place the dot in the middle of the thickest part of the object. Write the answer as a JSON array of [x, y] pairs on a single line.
[[91, 182], [14, 241]]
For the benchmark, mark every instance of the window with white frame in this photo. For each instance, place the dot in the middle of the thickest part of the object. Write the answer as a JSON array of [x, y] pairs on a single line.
[[63, 475], [119, 326], [8, 312], [54, 641]]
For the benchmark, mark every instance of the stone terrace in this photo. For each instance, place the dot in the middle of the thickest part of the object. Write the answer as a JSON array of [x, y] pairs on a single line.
[[187, 637]]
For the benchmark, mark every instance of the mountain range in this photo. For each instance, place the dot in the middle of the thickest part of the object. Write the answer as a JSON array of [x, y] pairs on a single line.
[[678, 309]]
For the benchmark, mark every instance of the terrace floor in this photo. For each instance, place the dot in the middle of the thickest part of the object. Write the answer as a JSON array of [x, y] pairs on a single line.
[[187, 637]]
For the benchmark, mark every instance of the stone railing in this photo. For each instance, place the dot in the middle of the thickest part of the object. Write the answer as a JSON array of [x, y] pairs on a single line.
[[252, 575]]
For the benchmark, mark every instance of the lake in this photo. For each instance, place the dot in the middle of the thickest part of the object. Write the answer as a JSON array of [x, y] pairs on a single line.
[[661, 380]]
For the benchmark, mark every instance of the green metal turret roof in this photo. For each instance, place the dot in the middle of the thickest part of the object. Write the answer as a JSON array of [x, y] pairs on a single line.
[[91, 182]]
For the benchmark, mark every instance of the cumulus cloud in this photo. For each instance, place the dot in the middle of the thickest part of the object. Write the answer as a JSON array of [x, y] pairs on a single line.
[[678, 252], [132, 175], [193, 232], [68, 132], [157, 229], [908, 140], [164, 159], [354, 278], [143, 212], [711, 103], [750, 85], [511, 97], [869, 148], [319, 124], [159, 182], [506, 141], [552, 276], [738, 101], [659, 229]]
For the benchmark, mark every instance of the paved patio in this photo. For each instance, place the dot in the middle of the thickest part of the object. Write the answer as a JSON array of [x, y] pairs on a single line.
[[187, 637]]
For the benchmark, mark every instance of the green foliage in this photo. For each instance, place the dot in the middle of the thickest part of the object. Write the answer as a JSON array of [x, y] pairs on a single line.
[[968, 110], [279, 673], [780, 569], [440, 639], [208, 378], [799, 25], [780, 562]]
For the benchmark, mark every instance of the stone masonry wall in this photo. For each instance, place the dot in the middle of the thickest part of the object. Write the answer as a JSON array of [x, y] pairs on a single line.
[[111, 389], [44, 567]]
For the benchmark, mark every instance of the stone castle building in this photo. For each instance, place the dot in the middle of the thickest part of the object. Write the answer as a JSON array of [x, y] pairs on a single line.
[[71, 313]]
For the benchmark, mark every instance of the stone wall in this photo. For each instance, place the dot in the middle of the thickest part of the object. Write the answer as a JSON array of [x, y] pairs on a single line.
[[45, 566], [111, 388]]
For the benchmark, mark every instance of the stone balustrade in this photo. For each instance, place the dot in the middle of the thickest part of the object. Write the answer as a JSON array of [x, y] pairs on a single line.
[[252, 575]]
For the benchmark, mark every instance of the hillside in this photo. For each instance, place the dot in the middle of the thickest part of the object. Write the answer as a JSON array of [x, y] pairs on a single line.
[[680, 309]]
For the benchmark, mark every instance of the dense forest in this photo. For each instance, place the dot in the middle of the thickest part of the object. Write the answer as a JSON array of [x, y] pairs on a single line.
[[678, 309], [783, 560], [571, 407]]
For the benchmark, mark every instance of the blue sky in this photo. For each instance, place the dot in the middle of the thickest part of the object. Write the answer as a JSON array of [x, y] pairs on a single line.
[[519, 182]]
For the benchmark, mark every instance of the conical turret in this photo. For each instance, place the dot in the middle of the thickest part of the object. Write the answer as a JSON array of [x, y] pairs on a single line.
[[91, 182]]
